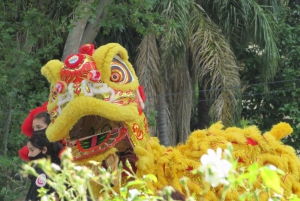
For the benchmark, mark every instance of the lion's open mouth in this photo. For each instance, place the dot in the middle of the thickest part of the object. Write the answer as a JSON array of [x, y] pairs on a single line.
[[94, 134]]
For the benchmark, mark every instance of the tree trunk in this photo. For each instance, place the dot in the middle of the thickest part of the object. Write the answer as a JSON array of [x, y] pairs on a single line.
[[162, 123], [6, 130], [203, 109], [93, 28], [75, 35]]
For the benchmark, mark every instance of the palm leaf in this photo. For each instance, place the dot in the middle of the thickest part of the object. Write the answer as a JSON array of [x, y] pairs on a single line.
[[175, 39], [173, 48], [214, 60], [249, 22]]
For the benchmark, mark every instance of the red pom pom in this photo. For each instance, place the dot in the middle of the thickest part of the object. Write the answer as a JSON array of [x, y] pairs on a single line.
[[142, 93], [23, 153], [27, 124], [74, 60], [87, 49]]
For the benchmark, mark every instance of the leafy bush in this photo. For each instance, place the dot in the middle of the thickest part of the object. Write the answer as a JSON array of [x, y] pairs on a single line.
[[11, 189], [73, 182]]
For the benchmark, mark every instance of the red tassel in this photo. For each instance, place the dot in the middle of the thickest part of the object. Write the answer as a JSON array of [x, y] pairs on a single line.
[[27, 124], [23, 153]]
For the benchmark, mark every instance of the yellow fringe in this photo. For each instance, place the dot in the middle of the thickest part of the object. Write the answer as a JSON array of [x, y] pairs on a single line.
[[76, 109], [281, 130]]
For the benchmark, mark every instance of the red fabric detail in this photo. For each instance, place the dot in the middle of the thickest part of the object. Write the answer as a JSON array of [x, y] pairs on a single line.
[[26, 127], [94, 141], [62, 150], [142, 93], [23, 153], [251, 141], [140, 110], [87, 49]]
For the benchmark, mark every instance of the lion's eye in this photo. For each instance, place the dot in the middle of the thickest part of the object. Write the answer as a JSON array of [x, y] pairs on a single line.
[[119, 72], [116, 76]]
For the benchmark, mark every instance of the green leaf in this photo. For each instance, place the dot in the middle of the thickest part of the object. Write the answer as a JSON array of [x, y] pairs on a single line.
[[151, 177], [135, 182], [123, 192], [271, 179], [253, 167]]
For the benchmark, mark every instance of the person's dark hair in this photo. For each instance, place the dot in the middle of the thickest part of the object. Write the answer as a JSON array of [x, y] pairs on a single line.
[[43, 115], [39, 140]]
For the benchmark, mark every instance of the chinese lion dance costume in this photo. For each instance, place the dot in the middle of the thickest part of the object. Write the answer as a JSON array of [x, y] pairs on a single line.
[[96, 104]]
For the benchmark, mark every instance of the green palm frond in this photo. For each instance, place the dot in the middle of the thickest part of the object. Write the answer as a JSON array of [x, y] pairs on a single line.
[[174, 42], [214, 60], [249, 22], [263, 24]]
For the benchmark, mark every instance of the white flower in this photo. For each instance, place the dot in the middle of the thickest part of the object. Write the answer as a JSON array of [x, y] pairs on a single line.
[[55, 167], [215, 168], [133, 193]]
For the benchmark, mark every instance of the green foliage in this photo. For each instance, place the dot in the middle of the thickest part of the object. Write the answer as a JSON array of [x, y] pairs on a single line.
[[151, 118], [127, 21], [247, 22], [244, 179], [281, 101], [71, 181], [136, 14], [11, 189], [31, 33]]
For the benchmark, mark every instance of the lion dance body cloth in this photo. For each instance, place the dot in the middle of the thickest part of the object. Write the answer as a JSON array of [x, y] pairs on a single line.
[[96, 104]]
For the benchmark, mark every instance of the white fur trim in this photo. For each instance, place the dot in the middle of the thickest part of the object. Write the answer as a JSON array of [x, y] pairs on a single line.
[[140, 99]]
